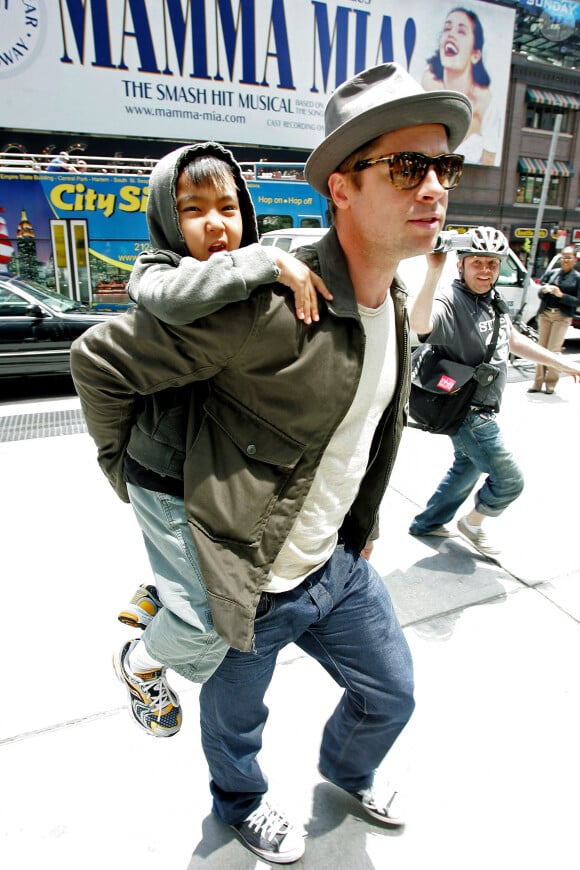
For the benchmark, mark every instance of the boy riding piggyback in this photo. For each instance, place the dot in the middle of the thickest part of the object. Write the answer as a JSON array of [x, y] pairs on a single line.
[[204, 255]]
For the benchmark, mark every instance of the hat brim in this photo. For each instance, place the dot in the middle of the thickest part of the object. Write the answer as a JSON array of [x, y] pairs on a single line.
[[452, 109]]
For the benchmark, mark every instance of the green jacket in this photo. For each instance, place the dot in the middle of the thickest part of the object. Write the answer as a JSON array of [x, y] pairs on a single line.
[[275, 392]]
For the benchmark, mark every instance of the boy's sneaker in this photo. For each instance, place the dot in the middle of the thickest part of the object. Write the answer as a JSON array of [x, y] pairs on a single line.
[[142, 608], [154, 705], [268, 833], [479, 540]]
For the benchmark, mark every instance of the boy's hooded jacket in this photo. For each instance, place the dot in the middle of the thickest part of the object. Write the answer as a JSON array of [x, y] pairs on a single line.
[[179, 289], [171, 284], [274, 391]]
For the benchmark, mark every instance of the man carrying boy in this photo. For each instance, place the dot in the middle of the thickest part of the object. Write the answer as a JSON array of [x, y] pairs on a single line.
[[289, 460], [204, 255]]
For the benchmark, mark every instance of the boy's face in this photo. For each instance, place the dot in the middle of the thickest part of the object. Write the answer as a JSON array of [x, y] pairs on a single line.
[[210, 221]]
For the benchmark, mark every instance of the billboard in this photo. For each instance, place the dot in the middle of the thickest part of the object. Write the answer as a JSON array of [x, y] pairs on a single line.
[[113, 204], [255, 72], [77, 234], [80, 233]]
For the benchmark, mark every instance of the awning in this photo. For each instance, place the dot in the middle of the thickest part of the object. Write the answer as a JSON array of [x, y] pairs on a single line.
[[551, 98], [537, 166]]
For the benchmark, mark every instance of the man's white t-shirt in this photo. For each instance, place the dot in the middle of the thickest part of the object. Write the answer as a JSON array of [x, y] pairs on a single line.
[[314, 535]]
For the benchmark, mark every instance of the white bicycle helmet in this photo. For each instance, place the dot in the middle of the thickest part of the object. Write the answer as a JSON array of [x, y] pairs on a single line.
[[485, 242]]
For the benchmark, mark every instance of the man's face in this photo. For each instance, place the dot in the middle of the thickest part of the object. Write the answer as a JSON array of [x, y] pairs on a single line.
[[398, 223], [568, 260], [210, 220], [480, 273]]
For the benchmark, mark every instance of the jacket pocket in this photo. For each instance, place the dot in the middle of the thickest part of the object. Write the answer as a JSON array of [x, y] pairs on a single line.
[[236, 471], [158, 437]]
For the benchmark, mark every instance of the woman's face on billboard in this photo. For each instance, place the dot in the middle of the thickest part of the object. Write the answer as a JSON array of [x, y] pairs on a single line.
[[457, 45]]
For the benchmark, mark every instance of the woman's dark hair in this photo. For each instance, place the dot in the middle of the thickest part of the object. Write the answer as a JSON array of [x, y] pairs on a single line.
[[479, 72]]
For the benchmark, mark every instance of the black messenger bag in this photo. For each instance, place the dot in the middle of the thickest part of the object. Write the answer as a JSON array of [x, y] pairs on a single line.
[[442, 390]]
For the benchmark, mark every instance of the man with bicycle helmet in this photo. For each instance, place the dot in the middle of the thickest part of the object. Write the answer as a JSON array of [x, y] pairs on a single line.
[[461, 323]]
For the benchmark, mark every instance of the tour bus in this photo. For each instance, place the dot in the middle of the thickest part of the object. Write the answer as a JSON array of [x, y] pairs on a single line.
[[282, 198], [79, 232]]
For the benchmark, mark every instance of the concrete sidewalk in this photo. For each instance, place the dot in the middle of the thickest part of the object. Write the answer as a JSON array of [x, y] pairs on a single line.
[[489, 762]]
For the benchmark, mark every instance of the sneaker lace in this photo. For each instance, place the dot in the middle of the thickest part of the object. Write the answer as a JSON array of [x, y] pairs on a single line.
[[158, 691], [268, 821]]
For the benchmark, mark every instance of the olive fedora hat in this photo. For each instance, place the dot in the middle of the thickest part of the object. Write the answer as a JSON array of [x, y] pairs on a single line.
[[376, 101]]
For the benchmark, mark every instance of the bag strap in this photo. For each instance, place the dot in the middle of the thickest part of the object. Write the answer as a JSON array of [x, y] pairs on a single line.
[[499, 308]]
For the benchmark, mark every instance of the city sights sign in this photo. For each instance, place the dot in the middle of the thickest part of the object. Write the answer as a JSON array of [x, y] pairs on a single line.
[[238, 71]]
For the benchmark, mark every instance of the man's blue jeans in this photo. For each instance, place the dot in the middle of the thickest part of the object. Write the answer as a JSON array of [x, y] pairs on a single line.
[[343, 617], [479, 449]]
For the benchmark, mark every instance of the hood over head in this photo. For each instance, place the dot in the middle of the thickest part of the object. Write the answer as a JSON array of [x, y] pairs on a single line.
[[162, 218]]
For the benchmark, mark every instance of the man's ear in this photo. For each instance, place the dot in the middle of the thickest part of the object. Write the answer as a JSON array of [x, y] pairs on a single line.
[[338, 186]]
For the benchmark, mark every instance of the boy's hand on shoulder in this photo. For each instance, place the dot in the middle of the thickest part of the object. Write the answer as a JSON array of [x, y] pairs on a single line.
[[303, 282]]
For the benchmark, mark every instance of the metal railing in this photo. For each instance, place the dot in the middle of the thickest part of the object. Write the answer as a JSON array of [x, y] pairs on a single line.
[[23, 162]]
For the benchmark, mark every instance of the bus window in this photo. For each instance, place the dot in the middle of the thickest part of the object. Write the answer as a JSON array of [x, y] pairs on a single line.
[[268, 222], [310, 222]]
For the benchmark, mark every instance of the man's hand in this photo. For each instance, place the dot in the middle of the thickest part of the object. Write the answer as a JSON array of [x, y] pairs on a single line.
[[422, 307], [572, 370], [435, 262], [367, 550], [303, 282]]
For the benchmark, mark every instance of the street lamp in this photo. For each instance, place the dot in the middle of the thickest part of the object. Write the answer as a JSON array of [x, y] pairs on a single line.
[[544, 194]]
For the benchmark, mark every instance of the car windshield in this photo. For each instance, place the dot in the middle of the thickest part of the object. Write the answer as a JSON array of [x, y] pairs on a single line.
[[61, 304]]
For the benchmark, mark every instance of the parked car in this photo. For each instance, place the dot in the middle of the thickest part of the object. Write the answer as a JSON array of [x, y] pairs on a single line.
[[292, 239], [37, 328], [522, 301], [555, 264]]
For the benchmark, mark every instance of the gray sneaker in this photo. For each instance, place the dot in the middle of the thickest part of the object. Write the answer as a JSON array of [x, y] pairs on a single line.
[[479, 540], [437, 532], [383, 804], [381, 801], [269, 834], [440, 532]]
